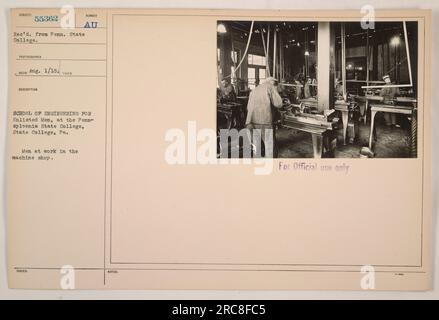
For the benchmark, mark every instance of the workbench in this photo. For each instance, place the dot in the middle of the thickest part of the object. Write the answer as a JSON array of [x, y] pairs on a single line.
[[414, 122], [375, 108], [316, 127], [374, 99]]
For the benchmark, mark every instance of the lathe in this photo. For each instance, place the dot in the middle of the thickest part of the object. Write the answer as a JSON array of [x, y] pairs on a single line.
[[320, 126], [347, 110], [233, 113], [401, 105]]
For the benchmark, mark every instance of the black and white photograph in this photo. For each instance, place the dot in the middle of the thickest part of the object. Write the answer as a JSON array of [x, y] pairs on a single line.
[[323, 89]]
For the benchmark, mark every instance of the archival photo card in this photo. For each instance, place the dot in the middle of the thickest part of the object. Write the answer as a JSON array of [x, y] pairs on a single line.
[[219, 149]]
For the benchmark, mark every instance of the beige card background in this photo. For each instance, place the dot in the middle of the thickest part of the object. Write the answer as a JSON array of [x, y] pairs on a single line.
[[124, 218]]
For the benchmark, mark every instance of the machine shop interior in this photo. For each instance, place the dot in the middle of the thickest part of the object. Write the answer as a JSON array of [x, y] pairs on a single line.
[[348, 90]]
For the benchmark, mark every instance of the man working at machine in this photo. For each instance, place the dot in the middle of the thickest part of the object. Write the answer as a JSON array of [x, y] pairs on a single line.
[[259, 107], [388, 93], [227, 92]]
